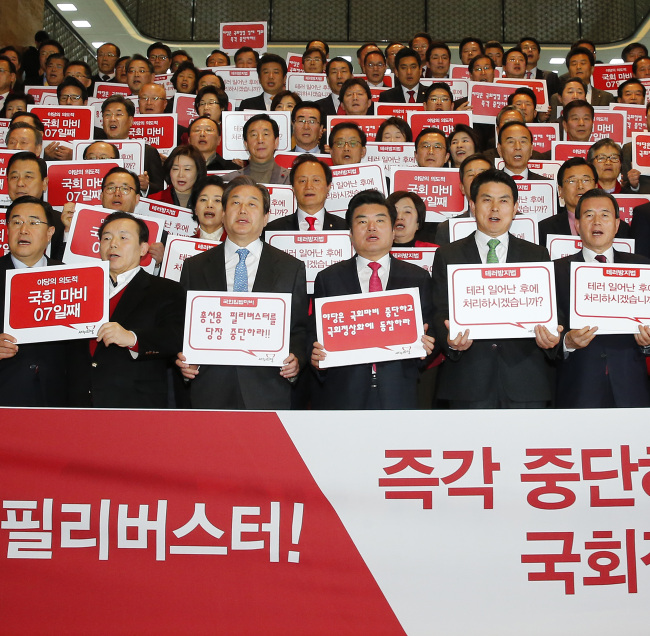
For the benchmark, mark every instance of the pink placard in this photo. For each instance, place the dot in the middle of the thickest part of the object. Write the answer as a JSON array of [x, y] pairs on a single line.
[[158, 131], [445, 120], [77, 181], [65, 123], [234, 35]]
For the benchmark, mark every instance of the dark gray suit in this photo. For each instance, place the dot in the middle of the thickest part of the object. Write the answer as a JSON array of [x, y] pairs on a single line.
[[279, 175], [253, 103]]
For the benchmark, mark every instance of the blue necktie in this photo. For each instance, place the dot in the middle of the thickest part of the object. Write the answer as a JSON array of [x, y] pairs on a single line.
[[241, 273]]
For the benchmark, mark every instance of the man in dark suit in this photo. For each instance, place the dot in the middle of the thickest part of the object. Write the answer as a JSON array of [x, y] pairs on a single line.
[[532, 49], [246, 211], [384, 385], [310, 179], [515, 147], [307, 127], [491, 373], [408, 68], [126, 366], [271, 73], [338, 71], [597, 371], [30, 374], [107, 56]]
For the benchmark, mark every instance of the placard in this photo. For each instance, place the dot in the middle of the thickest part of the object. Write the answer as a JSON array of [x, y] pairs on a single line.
[[537, 86], [63, 302], [446, 120], [317, 250], [437, 187], [184, 109], [563, 150], [240, 83], [158, 131], [310, 86], [537, 197], [459, 86], [350, 179], [544, 135], [635, 118], [175, 219], [390, 109], [37, 92], [609, 123], [294, 63], [283, 203], [234, 35], [231, 328], [393, 154], [64, 123], [77, 181], [4, 238], [286, 158], [487, 100], [561, 245], [363, 328], [5, 155], [4, 129], [104, 90], [420, 256], [615, 297], [627, 203], [368, 123], [641, 152], [607, 77], [177, 250], [501, 301], [131, 152], [232, 133], [165, 80], [523, 227], [83, 243]]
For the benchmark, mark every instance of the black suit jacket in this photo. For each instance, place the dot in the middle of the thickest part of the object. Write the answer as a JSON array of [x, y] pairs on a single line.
[[552, 80], [289, 223], [39, 374], [253, 103], [262, 388], [609, 364], [348, 387], [154, 309], [326, 106], [396, 95], [524, 371], [640, 229]]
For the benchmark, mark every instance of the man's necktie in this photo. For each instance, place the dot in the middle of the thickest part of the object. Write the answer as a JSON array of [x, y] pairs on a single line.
[[601, 258], [106, 78], [340, 110], [375, 282], [311, 222], [241, 273], [529, 75], [517, 177], [492, 252], [411, 95]]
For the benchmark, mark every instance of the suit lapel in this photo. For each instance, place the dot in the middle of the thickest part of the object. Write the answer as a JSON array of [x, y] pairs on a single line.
[[349, 279], [265, 277], [215, 273], [131, 297]]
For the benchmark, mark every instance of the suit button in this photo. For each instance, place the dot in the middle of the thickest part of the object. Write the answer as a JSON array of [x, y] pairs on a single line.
[[94, 365], [495, 346], [603, 355]]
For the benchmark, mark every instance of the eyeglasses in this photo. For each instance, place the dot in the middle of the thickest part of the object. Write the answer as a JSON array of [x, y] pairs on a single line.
[[604, 158], [31, 222], [313, 59], [124, 189], [342, 143], [212, 102], [307, 121], [153, 99], [140, 71], [69, 98], [428, 146], [376, 65], [439, 100], [579, 181], [482, 68], [106, 55], [162, 58]]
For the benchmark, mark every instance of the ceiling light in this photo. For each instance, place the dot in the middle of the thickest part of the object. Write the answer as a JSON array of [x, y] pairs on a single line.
[[66, 7], [81, 24]]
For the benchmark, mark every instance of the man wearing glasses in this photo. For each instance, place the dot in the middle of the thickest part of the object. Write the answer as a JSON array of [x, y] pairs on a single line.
[[139, 71], [347, 144], [307, 126], [431, 148], [160, 55], [374, 66], [107, 55]]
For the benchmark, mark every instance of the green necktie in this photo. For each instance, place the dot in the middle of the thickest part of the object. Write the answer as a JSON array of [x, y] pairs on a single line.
[[492, 252]]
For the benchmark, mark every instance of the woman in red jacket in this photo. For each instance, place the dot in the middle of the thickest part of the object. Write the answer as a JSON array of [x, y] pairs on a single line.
[[183, 168]]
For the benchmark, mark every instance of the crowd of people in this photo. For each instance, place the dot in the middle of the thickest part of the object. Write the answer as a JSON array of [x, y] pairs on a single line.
[[136, 359]]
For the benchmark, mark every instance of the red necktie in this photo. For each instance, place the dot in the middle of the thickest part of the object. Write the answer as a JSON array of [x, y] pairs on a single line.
[[517, 177], [601, 258], [529, 75], [340, 110], [411, 95], [375, 282], [311, 222]]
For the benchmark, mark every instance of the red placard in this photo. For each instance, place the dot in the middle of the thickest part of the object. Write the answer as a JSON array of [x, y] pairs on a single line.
[[641, 152], [286, 159], [488, 99], [103, 90], [184, 108], [627, 203], [234, 35], [397, 110], [4, 160], [64, 123], [4, 240], [37, 92], [609, 123], [544, 135], [563, 150], [294, 63], [369, 124], [537, 86], [158, 131], [38, 298], [78, 182], [635, 117], [445, 120], [607, 77]]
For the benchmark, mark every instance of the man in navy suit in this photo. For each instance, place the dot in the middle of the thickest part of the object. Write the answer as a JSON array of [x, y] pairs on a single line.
[[271, 73], [408, 68], [384, 385], [599, 370], [499, 372]]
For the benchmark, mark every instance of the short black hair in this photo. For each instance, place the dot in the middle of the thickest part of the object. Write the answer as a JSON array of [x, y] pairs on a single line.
[[354, 81], [309, 158], [271, 58], [38, 135], [399, 123], [467, 40], [244, 180], [636, 63], [634, 45], [327, 48], [139, 58], [278, 97], [72, 81], [438, 44], [510, 124], [143, 230], [633, 80], [407, 52], [514, 49], [246, 49], [421, 34], [311, 51], [480, 56], [12, 66], [216, 123], [523, 90], [51, 42], [302, 105], [570, 80], [220, 52], [337, 59], [468, 130], [529, 38], [129, 106], [580, 50], [369, 197], [493, 176], [438, 86], [347, 125], [118, 170], [221, 96], [26, 155], [184, 150], [572, 163], [475, 157], [577, 103], [159, 45], [262, 117], [186, 65], [47, 208], [84, 65], [117, 48], [596, 193], [197, 188], [420, 206], [36, 121], [431, 130]]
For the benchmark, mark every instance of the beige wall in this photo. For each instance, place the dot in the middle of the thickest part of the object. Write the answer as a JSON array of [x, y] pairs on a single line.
[[19, 20]]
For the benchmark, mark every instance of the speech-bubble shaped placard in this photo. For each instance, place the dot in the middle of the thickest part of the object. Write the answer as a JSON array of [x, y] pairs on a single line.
[[237, 329]]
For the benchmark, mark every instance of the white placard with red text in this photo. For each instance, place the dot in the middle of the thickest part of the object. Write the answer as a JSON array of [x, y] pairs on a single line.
[[158, 131], [83, 243], [240, 83], [537, 86], [177, 250], [232, 132], [615, 297], [184, 109], [175, 219], [77, 182], [349, 179], [523, 227], [438, 188], [607, 77], [459, 86], [390, 109], [561, 245], [487, 100], [641, 152], [283, 203], [445, 120], [420, 256], [363, 328], [368, 123], [4, 238], [544, 135], [4, 160], [611, 124], [391, 154], [4, 128], [65, 123], [234, 35], [64, 302], [563, 150], [501, 301], [310, 86], [231, 328], [131, 152], [294, 63], [317, 250], [37, 92], [104, 90], [537, 197], [165, 80], [627, 203]]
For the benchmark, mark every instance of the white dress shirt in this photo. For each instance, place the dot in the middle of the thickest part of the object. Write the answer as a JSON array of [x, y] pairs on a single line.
[[483, 249], [303, 226], [365, 272], [252, 261]]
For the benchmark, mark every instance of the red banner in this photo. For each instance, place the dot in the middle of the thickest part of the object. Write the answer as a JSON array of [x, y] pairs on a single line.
[[64, 123]]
